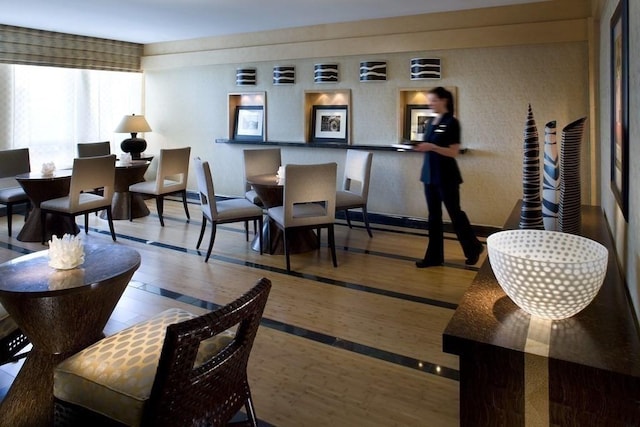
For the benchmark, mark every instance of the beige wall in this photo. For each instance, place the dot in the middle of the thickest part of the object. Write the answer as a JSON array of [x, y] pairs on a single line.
[[626, 234], [498, 60]]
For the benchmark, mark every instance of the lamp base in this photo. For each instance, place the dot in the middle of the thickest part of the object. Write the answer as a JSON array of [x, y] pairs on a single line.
[[134, 146]]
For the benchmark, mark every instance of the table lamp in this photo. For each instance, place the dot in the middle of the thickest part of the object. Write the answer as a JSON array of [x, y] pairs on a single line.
[[133, 124]]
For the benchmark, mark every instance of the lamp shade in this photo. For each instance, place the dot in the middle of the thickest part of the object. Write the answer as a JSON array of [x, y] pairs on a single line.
[[133, 124]]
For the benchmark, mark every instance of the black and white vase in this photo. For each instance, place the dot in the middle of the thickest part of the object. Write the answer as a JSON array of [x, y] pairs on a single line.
[[569, 210], [550, 178], [531, 211]]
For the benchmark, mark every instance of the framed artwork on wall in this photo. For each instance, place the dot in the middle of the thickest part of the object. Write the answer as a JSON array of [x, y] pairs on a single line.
[[329, 123], [249, 123], [416, 120], [620, 106]]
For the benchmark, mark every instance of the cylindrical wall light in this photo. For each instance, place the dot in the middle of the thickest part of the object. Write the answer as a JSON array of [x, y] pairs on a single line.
[[325, 73], [284, 75], [425, 68], [245, 76], [373, 71]]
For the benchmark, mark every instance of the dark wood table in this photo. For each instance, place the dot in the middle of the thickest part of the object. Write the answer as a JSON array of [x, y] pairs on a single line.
[[127, 174], [61, 312], [271, 190], [39, 188], [516, 369]]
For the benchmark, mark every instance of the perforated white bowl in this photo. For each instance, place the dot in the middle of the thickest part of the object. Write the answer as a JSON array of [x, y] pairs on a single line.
[[548, 274]]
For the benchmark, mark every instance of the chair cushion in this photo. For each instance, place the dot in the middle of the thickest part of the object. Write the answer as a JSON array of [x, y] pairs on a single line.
[[149, 187], [300, 211], [7, 325], [86, 201], [236, 208], [345, 199], [114, 376], [252, 196], [12, 195]]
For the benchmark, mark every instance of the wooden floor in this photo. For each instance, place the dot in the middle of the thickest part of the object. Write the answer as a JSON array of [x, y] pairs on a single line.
[[356, 345]]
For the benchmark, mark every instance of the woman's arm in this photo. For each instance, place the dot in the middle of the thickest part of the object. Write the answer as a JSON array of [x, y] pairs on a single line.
[[450, 151]]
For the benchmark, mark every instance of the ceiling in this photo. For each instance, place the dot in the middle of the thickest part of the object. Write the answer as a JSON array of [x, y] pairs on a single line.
[[152, 21]]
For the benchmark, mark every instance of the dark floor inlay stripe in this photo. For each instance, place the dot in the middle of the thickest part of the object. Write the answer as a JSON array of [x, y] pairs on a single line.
[[365, 350]]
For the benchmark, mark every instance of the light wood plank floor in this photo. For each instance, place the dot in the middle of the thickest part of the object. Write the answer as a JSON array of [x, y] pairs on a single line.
[[356, 345]]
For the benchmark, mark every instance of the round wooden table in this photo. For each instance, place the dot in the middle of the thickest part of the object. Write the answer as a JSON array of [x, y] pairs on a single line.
[[270, 189], [60, 312], [127, 174], [39, 188]]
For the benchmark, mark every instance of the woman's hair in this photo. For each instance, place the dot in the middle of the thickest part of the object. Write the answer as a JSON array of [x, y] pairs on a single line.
[[442, 93]]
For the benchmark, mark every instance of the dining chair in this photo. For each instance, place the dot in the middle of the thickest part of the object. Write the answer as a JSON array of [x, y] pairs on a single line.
[[222, 212], [171, 178], [259, 162], [194, 370], [92, 149], [12, 340], [12, 163], [88, 173], [309, 201], [355, 187]]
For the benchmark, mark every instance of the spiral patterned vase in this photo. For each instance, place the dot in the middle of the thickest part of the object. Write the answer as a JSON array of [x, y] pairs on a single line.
[[531, 211], [550, 178], [569, 210]]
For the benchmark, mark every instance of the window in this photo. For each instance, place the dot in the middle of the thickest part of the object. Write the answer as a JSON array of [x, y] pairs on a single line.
[[51, 109]]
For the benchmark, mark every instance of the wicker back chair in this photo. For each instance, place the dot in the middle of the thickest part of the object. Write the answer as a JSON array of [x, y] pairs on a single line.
[[186, 390]]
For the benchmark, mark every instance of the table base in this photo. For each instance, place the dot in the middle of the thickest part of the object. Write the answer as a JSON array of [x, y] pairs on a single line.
[[120, 206], [56, 224], [304, 240]]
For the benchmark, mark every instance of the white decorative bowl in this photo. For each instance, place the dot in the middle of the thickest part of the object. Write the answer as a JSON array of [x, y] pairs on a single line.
[[548, 274]]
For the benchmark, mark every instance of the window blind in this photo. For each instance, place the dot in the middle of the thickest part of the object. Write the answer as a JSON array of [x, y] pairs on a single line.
[[19, 45]]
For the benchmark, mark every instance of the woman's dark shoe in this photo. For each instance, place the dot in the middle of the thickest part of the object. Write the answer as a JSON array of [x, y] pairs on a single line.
[[472, 260], [424, 263]]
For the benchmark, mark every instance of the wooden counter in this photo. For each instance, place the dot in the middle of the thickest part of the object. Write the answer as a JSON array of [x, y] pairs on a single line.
[[517, 370]]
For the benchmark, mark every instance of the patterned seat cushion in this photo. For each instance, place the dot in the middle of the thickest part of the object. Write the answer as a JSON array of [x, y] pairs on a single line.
[[114, 376]]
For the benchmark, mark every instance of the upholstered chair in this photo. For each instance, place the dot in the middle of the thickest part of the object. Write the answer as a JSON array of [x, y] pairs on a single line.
[[224, 211], [355, 186], [88, 173], [259, 162], [171, 178], [309, 201], [92, 149], [175, 369], [12, 163]]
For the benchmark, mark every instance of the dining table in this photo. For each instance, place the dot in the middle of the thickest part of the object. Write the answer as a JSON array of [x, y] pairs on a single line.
[[39, 187], [128, 173], [270, 189], [60, 312]]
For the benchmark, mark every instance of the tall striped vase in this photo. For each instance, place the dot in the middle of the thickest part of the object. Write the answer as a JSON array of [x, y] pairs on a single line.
[[569, 218], [550, 178], [531, 212]]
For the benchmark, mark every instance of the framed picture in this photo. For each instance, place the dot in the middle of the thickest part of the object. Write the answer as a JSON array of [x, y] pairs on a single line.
[[416, 120], [329, 123], [249, 123], [620, 106]]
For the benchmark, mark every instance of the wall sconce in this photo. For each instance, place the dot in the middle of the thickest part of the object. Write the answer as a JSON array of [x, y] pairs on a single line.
[[245, 76], [373, 71], [425, 68], [133, 124], [284, 75], [325, 73]]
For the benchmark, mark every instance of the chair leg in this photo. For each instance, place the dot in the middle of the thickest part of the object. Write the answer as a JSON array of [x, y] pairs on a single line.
[[43, 225], [318, 236], [365, 217], [213, 238], [86, 223], [332, 245], [346, 214], [130, 202], [110, 220], [9, 217], [246, 230], [184, 204], [204, 227], [252, 419], [160, 208], [286, 249]]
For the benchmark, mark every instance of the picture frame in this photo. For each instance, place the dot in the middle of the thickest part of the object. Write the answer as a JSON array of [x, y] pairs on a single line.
[[620, 106], [416, 120], [249, 123], [330, 123]]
